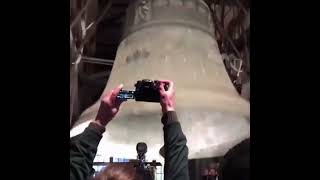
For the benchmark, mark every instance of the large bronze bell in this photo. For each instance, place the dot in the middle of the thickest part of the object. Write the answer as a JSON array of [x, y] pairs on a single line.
[[172, 39]]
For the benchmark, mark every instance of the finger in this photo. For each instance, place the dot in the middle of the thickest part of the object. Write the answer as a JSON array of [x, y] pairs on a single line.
[[114, 110], [116, 92], [118, 89], [171, 85], [108, 95], [165, 81], [162, 90]]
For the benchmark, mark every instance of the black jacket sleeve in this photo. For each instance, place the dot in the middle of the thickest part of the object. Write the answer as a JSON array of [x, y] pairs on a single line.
[[175, 149], [83, 149]]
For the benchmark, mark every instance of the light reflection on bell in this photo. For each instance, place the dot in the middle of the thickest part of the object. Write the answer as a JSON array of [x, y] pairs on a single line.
[[175, 45]]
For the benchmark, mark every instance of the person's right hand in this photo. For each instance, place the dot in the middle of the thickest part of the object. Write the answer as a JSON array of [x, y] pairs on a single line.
[[109, 107], [167, 97]]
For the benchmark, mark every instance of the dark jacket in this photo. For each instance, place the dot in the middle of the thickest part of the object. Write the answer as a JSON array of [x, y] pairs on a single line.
[[83, 149]]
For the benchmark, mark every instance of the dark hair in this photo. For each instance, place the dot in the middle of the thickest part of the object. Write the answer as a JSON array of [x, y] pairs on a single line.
[[119, 172], [236, 163]]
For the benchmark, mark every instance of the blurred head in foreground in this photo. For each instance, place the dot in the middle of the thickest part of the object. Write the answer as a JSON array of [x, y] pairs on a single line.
[[119, 172]]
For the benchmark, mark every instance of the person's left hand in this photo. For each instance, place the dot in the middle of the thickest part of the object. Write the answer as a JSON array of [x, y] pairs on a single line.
[[109, 107]]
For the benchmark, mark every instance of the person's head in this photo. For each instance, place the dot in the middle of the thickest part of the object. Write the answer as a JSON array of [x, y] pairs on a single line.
[[236, 163], [119, 172], [213, 165]]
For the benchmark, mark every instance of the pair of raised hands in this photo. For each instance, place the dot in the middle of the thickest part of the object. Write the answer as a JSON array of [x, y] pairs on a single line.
[[110, 104]]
